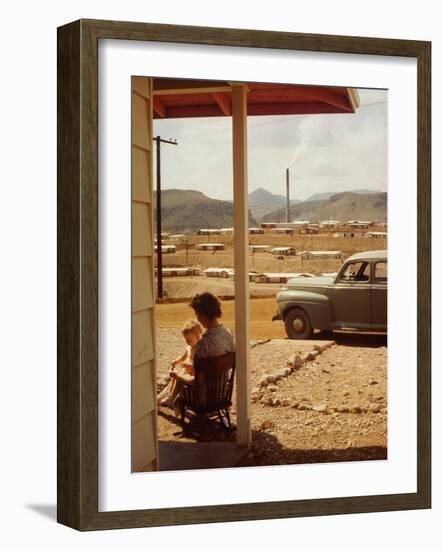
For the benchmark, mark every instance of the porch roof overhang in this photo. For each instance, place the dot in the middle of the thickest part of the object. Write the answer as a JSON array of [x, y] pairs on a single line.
[[179, 98]]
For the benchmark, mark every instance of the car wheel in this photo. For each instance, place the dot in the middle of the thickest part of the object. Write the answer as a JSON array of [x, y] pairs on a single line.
[[297, 324]]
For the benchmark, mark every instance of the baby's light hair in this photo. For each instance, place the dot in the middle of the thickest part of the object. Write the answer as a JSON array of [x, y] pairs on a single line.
[[192, 326]]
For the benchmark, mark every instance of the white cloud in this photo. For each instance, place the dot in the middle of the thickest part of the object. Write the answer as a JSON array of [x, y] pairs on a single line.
[[334, 152]]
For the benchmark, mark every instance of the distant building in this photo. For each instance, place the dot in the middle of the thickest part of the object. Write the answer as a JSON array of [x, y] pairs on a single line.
[[297, 224], [256, 230], [225, 273], [259, 247], [282, 230], [284, 251], [349, 234], [327, 224], [268, 225], [358, 223], [208, 232], [376, 234], [166, 248], [278, 277], [226, 231], [210, 246], [309, 230], [222, 272], [179, 271], [321, 254]]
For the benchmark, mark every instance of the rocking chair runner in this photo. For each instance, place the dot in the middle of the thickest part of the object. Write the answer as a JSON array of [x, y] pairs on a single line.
[[211, 391]]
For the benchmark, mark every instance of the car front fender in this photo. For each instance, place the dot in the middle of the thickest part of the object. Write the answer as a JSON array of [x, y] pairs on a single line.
[[317, 306]]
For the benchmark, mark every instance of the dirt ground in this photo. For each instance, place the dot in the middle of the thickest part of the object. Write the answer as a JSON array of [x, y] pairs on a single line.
[[187, 255], [185, 287], [261, 313], [332, 407]]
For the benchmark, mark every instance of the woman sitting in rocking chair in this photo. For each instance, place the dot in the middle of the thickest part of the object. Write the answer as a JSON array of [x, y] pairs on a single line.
[[216, 339]]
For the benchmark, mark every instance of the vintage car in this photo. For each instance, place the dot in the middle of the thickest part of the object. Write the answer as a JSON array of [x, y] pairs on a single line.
[[356, 298]]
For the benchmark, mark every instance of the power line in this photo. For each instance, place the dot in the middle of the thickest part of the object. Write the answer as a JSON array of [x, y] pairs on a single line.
[[292, 118]]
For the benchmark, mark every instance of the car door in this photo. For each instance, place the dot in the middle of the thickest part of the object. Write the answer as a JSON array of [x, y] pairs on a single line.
[[379, 295], [350, 296]]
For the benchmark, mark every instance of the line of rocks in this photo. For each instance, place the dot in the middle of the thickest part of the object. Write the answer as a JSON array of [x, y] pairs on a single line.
[[268, 385], [259, 343], [269, 382], [323, 408]]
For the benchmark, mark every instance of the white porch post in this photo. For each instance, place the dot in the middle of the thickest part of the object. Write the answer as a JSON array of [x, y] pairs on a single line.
[[240, 208]]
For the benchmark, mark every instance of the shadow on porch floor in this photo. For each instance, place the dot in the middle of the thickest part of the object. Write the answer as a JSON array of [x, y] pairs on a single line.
[[177, 455], [204, 445]]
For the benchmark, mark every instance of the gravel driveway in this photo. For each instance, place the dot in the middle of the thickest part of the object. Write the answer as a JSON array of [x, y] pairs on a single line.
[[332, 407]]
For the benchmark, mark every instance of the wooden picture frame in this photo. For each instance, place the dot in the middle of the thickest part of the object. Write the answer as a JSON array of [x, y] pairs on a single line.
[[77, 224]]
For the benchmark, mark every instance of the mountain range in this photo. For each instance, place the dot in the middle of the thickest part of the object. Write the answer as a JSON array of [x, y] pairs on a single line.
[[262, 202], [189, 210], [328, 194], [344, 206]]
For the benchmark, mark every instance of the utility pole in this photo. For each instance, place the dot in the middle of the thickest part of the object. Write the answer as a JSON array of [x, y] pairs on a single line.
[[159, 141], [287, 208], [302, 252]]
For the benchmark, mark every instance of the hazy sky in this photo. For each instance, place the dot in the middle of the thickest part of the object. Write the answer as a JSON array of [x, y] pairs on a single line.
[[332, 152]]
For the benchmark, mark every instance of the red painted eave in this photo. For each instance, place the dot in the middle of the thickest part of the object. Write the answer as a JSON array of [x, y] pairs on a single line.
[[174, 98]]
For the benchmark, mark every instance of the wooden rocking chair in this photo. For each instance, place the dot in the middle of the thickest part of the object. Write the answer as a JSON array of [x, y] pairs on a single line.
[[211, 391]]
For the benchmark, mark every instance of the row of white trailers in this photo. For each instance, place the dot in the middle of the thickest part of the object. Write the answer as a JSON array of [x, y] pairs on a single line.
[[229, 273], [278, 250], [285, 228], [254, 277], [171, 248]]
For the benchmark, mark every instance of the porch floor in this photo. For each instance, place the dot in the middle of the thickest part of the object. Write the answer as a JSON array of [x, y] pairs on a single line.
[[177, 455]]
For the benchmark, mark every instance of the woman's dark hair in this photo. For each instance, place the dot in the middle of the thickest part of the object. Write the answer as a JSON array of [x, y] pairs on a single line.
[[207, 304]]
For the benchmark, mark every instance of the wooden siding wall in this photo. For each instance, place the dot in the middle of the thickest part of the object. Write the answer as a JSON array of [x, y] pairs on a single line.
[[144, 438]]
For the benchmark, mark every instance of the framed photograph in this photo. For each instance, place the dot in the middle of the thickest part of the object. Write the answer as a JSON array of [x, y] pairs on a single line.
[[231, 344]]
